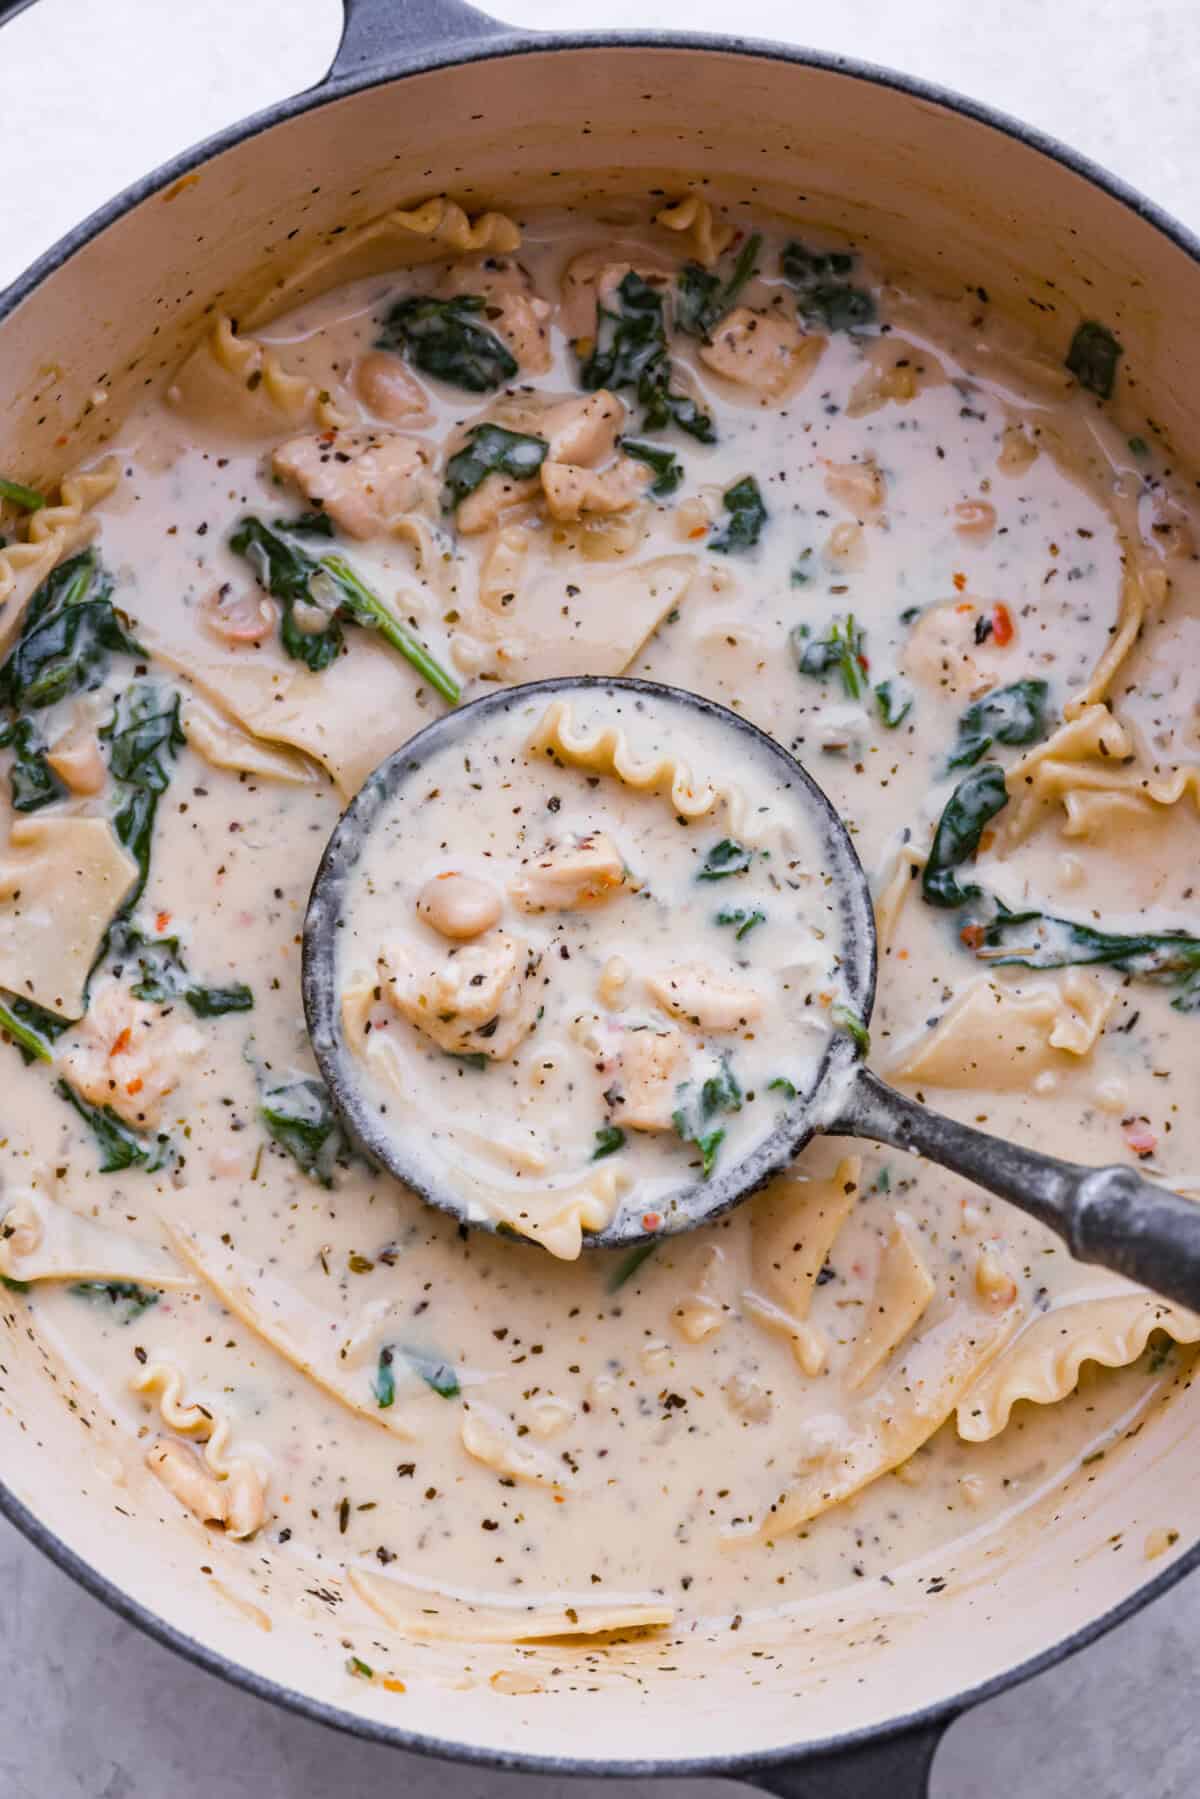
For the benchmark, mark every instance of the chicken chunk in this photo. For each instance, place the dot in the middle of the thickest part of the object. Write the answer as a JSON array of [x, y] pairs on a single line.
[[593, 277], [571, 491], [649, 1070], [364, 480], [568, 877], [511, 308], [127, 1054], [858, 486], [584, 431], [761, 350], [478, 1000], [495, 495], [709, 1001]]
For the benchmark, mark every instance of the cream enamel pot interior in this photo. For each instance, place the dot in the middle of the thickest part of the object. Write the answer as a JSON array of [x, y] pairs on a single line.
[[433, 95]]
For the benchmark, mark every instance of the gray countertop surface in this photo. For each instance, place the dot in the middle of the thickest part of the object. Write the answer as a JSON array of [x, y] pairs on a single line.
[[94, 95]]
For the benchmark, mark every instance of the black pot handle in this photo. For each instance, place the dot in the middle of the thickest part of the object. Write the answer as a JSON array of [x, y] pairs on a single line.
[[896, 1768], [379, 31]]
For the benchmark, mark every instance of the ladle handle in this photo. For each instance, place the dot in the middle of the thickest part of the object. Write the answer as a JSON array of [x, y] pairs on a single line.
[[1106, 1215]]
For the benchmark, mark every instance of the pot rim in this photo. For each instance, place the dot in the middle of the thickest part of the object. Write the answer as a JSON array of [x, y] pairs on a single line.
[[511, 42]]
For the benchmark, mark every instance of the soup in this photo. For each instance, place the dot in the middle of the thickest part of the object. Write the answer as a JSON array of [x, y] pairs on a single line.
[[887, 527]]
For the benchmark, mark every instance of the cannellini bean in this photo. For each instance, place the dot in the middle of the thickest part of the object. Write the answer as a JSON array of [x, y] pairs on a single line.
[[391, 391], [459, 906]]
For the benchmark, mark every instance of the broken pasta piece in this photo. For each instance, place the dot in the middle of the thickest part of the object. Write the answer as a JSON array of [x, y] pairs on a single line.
[[1044, 1362]]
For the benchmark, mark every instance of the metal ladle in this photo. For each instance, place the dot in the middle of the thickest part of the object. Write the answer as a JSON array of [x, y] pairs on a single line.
[[1110, 1216]]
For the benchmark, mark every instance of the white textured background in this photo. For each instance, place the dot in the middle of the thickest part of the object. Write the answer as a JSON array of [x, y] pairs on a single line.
[[94, 92]]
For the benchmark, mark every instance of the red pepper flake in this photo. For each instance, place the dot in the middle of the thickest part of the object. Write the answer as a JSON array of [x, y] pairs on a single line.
[[651, 1220], [122, 1043], [135, 1085], [161, 920], [960, 581], [971, 935], [1003, 630]]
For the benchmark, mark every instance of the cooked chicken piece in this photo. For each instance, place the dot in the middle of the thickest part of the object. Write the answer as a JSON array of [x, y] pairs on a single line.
[[364, 480], [649, 1073], [761, 350], [477, 1000], [571, 876], [858, 486], [709, 1001], [594, 276], [512, 309], [494, 496], [583, 431], [459, 906], [942, 651], [389, 389], [127, 1054], [571, 491]]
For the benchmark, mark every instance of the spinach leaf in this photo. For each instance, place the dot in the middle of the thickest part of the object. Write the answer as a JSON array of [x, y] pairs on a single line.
[[32, 1029], [628, 1266], [214, 1002], [162, 974], [698, 1104], [781, 1084], [68, 636], [630, 350], [384, 1384], [668, 470], [143, 736], [743, 920], [125, 1297], [286, 572], [723, 859], [609, 1139], [844, 1019], [33, 782], [1093, 357], [299, 1116], [702, 298], [976, 800], [444, 338], [1014, 714], [1034, 939], [894, 699], [435, 1372], [119, 1144], [747, 516], [842, 652], [823, 297], [17, 494], [490, 449], [291, 575]]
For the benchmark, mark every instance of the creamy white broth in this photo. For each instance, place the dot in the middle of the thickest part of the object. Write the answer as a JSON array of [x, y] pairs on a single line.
[[676, 1436], [599, 930]]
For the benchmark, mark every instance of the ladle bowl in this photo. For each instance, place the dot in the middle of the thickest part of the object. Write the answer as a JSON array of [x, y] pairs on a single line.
[[1109, 1215]]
